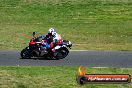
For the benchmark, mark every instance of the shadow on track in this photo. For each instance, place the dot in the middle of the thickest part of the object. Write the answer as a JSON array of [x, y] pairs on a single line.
[[40, 58]]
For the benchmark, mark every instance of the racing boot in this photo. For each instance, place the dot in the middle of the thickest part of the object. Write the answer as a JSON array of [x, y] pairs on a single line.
[[53, 50], [53, 54]]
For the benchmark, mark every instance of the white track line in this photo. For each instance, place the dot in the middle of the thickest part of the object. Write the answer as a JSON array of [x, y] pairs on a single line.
[[80, 50], [100, 67]]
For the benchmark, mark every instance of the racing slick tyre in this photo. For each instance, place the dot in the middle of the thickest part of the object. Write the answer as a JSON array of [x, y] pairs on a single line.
[[62, 53], [25, 53]]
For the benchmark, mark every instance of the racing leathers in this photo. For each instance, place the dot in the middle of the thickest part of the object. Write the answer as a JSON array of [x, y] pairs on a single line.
[[51, 41], [56, 40]]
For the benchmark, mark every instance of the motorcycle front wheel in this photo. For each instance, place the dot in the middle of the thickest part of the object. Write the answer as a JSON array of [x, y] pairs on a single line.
[[25, 53]]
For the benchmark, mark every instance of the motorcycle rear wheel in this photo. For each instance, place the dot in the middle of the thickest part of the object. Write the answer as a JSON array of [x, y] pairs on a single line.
[[62, 53]]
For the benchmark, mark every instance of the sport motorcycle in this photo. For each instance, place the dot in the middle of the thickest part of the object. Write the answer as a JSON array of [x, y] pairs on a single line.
[[33, 50]]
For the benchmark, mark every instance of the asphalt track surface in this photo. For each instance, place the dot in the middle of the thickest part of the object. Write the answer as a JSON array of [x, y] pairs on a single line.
[[75, 58]]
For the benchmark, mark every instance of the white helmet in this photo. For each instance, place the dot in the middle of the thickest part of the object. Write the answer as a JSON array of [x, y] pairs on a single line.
[[50, 31]]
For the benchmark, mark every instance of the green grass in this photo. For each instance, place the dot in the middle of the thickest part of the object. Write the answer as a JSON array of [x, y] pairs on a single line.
[[54, 77], [89, 24]]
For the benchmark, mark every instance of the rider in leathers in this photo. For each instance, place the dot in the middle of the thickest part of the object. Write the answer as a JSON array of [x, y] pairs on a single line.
[[55, 39], [51, 40]]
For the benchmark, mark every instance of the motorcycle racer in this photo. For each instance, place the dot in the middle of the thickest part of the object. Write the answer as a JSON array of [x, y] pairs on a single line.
[[56, 48], [50, 41], [55, 38]]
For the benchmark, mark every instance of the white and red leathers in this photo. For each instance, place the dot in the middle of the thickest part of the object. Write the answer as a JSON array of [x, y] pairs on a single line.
[[57, 40]]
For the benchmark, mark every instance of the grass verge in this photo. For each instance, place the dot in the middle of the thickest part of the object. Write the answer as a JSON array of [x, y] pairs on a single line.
[[94, 24], [54, 77]]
